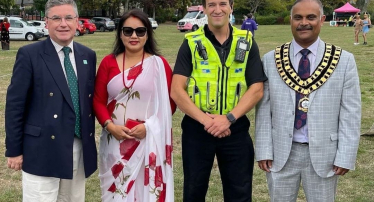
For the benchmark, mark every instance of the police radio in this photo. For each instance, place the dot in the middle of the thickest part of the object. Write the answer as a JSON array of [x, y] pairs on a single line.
[[202, 50], [241, 48]]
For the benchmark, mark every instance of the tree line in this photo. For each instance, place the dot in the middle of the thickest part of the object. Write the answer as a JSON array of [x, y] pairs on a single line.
[[172, 10]]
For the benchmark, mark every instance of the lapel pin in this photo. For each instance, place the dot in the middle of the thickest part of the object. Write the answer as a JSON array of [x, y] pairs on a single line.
[[85, 62]]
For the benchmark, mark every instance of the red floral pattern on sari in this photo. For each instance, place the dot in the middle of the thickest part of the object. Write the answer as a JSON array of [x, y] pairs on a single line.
[[128, 147], [112, 188], [134, 72], [129, 186], [146, 176], [162, 196], [152, 160], [168, 150], [158, 176], [116, 169]]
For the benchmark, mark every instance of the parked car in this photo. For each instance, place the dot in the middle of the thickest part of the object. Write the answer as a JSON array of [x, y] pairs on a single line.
[[232, 19], [153, 23], [116, 21], [81, 29], [103, 23], [21, 29], [89, 25], [40, 24]]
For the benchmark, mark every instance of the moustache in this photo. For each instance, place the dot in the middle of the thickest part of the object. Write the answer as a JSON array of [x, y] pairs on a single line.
[[302, 28]]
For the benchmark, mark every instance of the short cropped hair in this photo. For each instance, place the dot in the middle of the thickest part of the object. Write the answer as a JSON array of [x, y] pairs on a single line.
[[52, 3]]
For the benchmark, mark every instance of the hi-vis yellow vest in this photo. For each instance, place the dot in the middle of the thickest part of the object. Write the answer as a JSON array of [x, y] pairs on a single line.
[[215, 87]]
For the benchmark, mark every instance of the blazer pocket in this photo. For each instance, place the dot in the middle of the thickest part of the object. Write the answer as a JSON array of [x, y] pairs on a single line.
[[32, 130], [334, 136]]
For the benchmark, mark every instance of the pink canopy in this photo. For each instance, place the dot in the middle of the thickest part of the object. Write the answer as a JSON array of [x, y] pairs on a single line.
[[347, 8]]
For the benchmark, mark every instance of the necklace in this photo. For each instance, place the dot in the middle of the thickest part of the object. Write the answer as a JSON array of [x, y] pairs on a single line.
[[134, 72]]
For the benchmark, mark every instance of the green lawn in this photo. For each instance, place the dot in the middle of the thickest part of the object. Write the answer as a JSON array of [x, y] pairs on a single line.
[[356, 186]]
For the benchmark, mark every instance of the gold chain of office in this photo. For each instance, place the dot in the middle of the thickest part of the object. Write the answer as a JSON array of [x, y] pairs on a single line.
[[317, 79]]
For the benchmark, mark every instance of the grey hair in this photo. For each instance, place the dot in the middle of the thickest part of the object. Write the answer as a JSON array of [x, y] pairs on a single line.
[[317, 1], [52, 3]]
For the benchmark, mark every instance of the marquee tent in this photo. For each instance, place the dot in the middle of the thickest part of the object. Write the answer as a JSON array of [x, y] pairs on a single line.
[[344, 10], [347, 8]]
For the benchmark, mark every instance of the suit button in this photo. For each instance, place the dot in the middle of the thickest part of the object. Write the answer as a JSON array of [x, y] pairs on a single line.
[[90, 134], [89, 115], [89, 95], [50, 94], [52, 137], [55, 116], [290, 135]]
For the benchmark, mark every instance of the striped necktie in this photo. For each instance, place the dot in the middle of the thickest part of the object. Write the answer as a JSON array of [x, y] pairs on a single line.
[[73, 86]]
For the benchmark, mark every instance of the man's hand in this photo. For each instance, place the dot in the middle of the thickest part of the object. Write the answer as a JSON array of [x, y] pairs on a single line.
[[220, 125], [340, 171], [265, 165], [15, 163], [225, 133]]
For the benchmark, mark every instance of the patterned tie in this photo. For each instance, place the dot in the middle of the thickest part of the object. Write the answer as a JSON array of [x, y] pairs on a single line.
[[304, 73], [73, 86]]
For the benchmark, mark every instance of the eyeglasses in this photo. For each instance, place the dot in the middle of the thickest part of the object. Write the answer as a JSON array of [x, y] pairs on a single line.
[[140, 31], [58, 19]]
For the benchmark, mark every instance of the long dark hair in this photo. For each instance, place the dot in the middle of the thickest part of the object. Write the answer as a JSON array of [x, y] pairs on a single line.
[[150, 45]]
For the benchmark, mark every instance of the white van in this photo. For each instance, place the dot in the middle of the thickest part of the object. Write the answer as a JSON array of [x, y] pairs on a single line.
[[194, 19], [21, 29]]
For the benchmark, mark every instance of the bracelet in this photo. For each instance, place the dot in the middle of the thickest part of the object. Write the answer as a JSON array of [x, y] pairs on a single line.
[[106, 124]]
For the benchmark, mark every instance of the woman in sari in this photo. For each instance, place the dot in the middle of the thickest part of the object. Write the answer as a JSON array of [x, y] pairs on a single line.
[[132, 103]]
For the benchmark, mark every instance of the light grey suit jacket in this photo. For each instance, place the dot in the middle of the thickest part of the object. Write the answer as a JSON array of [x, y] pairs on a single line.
[[334, 117]]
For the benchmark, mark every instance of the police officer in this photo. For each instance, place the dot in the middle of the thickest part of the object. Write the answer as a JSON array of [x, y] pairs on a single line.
[[218, 78]]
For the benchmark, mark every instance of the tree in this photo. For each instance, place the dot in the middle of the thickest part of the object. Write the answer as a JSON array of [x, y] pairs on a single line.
[[251, 5], [40, 5], [5, 6]]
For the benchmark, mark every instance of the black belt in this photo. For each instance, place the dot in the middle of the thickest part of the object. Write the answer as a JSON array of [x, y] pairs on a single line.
[[302, 143]]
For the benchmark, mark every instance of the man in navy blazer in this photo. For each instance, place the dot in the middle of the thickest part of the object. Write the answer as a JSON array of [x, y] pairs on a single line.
[[40, 117]]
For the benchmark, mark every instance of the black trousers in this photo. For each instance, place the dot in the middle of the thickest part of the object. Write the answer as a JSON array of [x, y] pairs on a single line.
[[235, 157]]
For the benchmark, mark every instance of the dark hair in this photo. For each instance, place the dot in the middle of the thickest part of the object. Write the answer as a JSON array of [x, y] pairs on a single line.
[[249, 15], [231, 2], [150, 45]]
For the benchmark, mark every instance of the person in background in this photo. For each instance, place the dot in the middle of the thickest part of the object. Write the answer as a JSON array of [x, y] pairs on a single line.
[[4, 28], [215, 91], [350, 21], [365, 27], [49, 120], [249, 25], [308, 121], [358, 23], [133, 105]]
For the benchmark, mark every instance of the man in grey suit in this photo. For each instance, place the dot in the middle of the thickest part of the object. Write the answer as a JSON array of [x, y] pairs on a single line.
[[308, 121]]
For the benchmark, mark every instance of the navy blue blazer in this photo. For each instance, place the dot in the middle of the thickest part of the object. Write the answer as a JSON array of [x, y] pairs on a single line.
[[39, 114]]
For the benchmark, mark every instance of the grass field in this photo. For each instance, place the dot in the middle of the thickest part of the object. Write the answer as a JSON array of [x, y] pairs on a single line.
[[356, 186]]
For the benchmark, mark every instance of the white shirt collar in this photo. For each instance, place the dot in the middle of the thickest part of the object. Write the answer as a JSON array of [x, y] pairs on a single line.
[[312, 48], [58, 47]]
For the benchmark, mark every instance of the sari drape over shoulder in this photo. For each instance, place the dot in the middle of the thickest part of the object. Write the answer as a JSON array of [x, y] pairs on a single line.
[[139, 170]]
